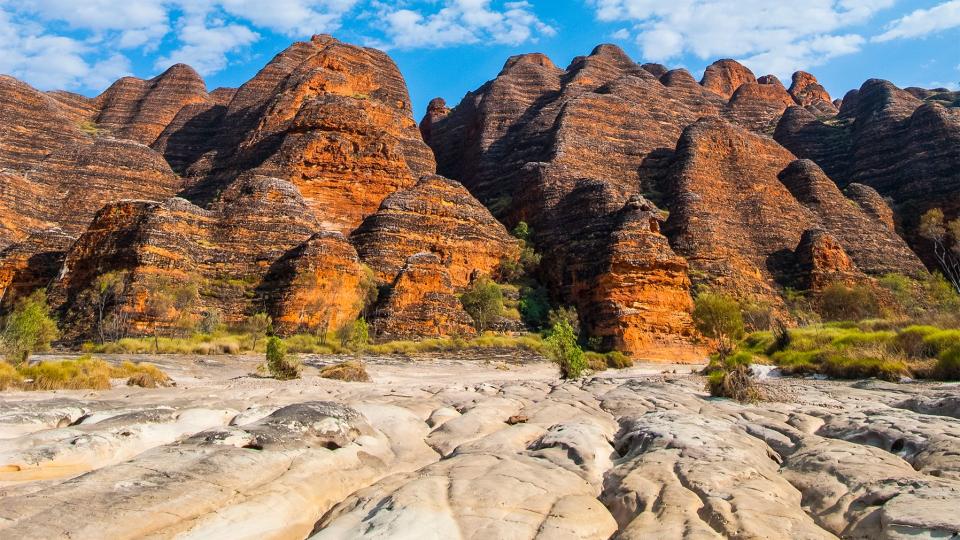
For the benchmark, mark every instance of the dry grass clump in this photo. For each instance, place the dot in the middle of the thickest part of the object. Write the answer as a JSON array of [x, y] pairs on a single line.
[[610, 360], [83, 373], [736, 383], [527, 342], [350, 371], [9, 377], [144, 375], [732, 378]]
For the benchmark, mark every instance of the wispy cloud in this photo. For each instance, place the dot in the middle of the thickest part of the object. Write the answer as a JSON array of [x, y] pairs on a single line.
[[81, 45], [770, 37], [923, 22], [460, 22]]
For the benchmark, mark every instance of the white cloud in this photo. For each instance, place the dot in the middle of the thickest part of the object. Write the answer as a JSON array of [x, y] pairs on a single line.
[[50, 61], [205, 46], [923, 22], [620, 34], [83, 45], [292, 17], [460, 22], [770, 37]]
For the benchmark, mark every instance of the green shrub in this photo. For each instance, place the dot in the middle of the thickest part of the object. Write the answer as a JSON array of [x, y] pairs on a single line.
[[942, 340], [618, 360], [846, 367], [718, 317], [798, 362], [564, 314], [279, 365], [912, 341], [596, 361], [28, 329], [839, 302], [354, 335], [534, 306], [561, 346], [483, 301], [948, 365]]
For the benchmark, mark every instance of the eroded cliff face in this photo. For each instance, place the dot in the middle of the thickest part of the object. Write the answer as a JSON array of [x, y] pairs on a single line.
[[437, 216], [903, 144], [421, 302], [247, 194], [741, 203], [565, 150], [272, 194]]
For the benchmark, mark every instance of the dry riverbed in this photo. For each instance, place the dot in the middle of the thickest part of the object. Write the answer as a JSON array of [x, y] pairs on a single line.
[[447, 447]]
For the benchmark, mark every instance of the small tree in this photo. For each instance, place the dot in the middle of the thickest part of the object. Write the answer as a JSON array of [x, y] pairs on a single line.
[[483, 301], [258, 325], [354, 335], [522, 231], [211, 321], [566, 314], [945, 237], [361, 334], [279, 365], [718, 317], [562, 348], [104, 294], [29, 328], [368, 290]]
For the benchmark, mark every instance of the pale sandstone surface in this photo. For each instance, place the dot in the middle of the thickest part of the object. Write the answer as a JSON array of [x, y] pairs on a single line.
[[476, 445]]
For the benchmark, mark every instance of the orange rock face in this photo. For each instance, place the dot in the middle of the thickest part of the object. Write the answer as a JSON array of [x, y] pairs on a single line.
[[724, 77], [316, 285], [140, 110], [741, 204], [436, 216], [421, 302], [808, 92], [224, 252], [637, 299], [822, 261]]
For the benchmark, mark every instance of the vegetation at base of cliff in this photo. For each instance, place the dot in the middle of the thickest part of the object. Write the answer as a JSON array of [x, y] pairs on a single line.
[[721, 320], [483, 301], [85, 372], [872, 348], [561, 347], [610, 360], [29, 328]]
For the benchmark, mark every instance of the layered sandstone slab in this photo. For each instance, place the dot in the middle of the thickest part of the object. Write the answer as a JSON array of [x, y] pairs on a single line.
[[902, 144], [225, 251], [519, 454], [436, 215], [738, 231], [421, 302]]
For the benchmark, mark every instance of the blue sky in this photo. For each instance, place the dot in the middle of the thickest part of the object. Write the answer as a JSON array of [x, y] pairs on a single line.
[[447, 47]]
